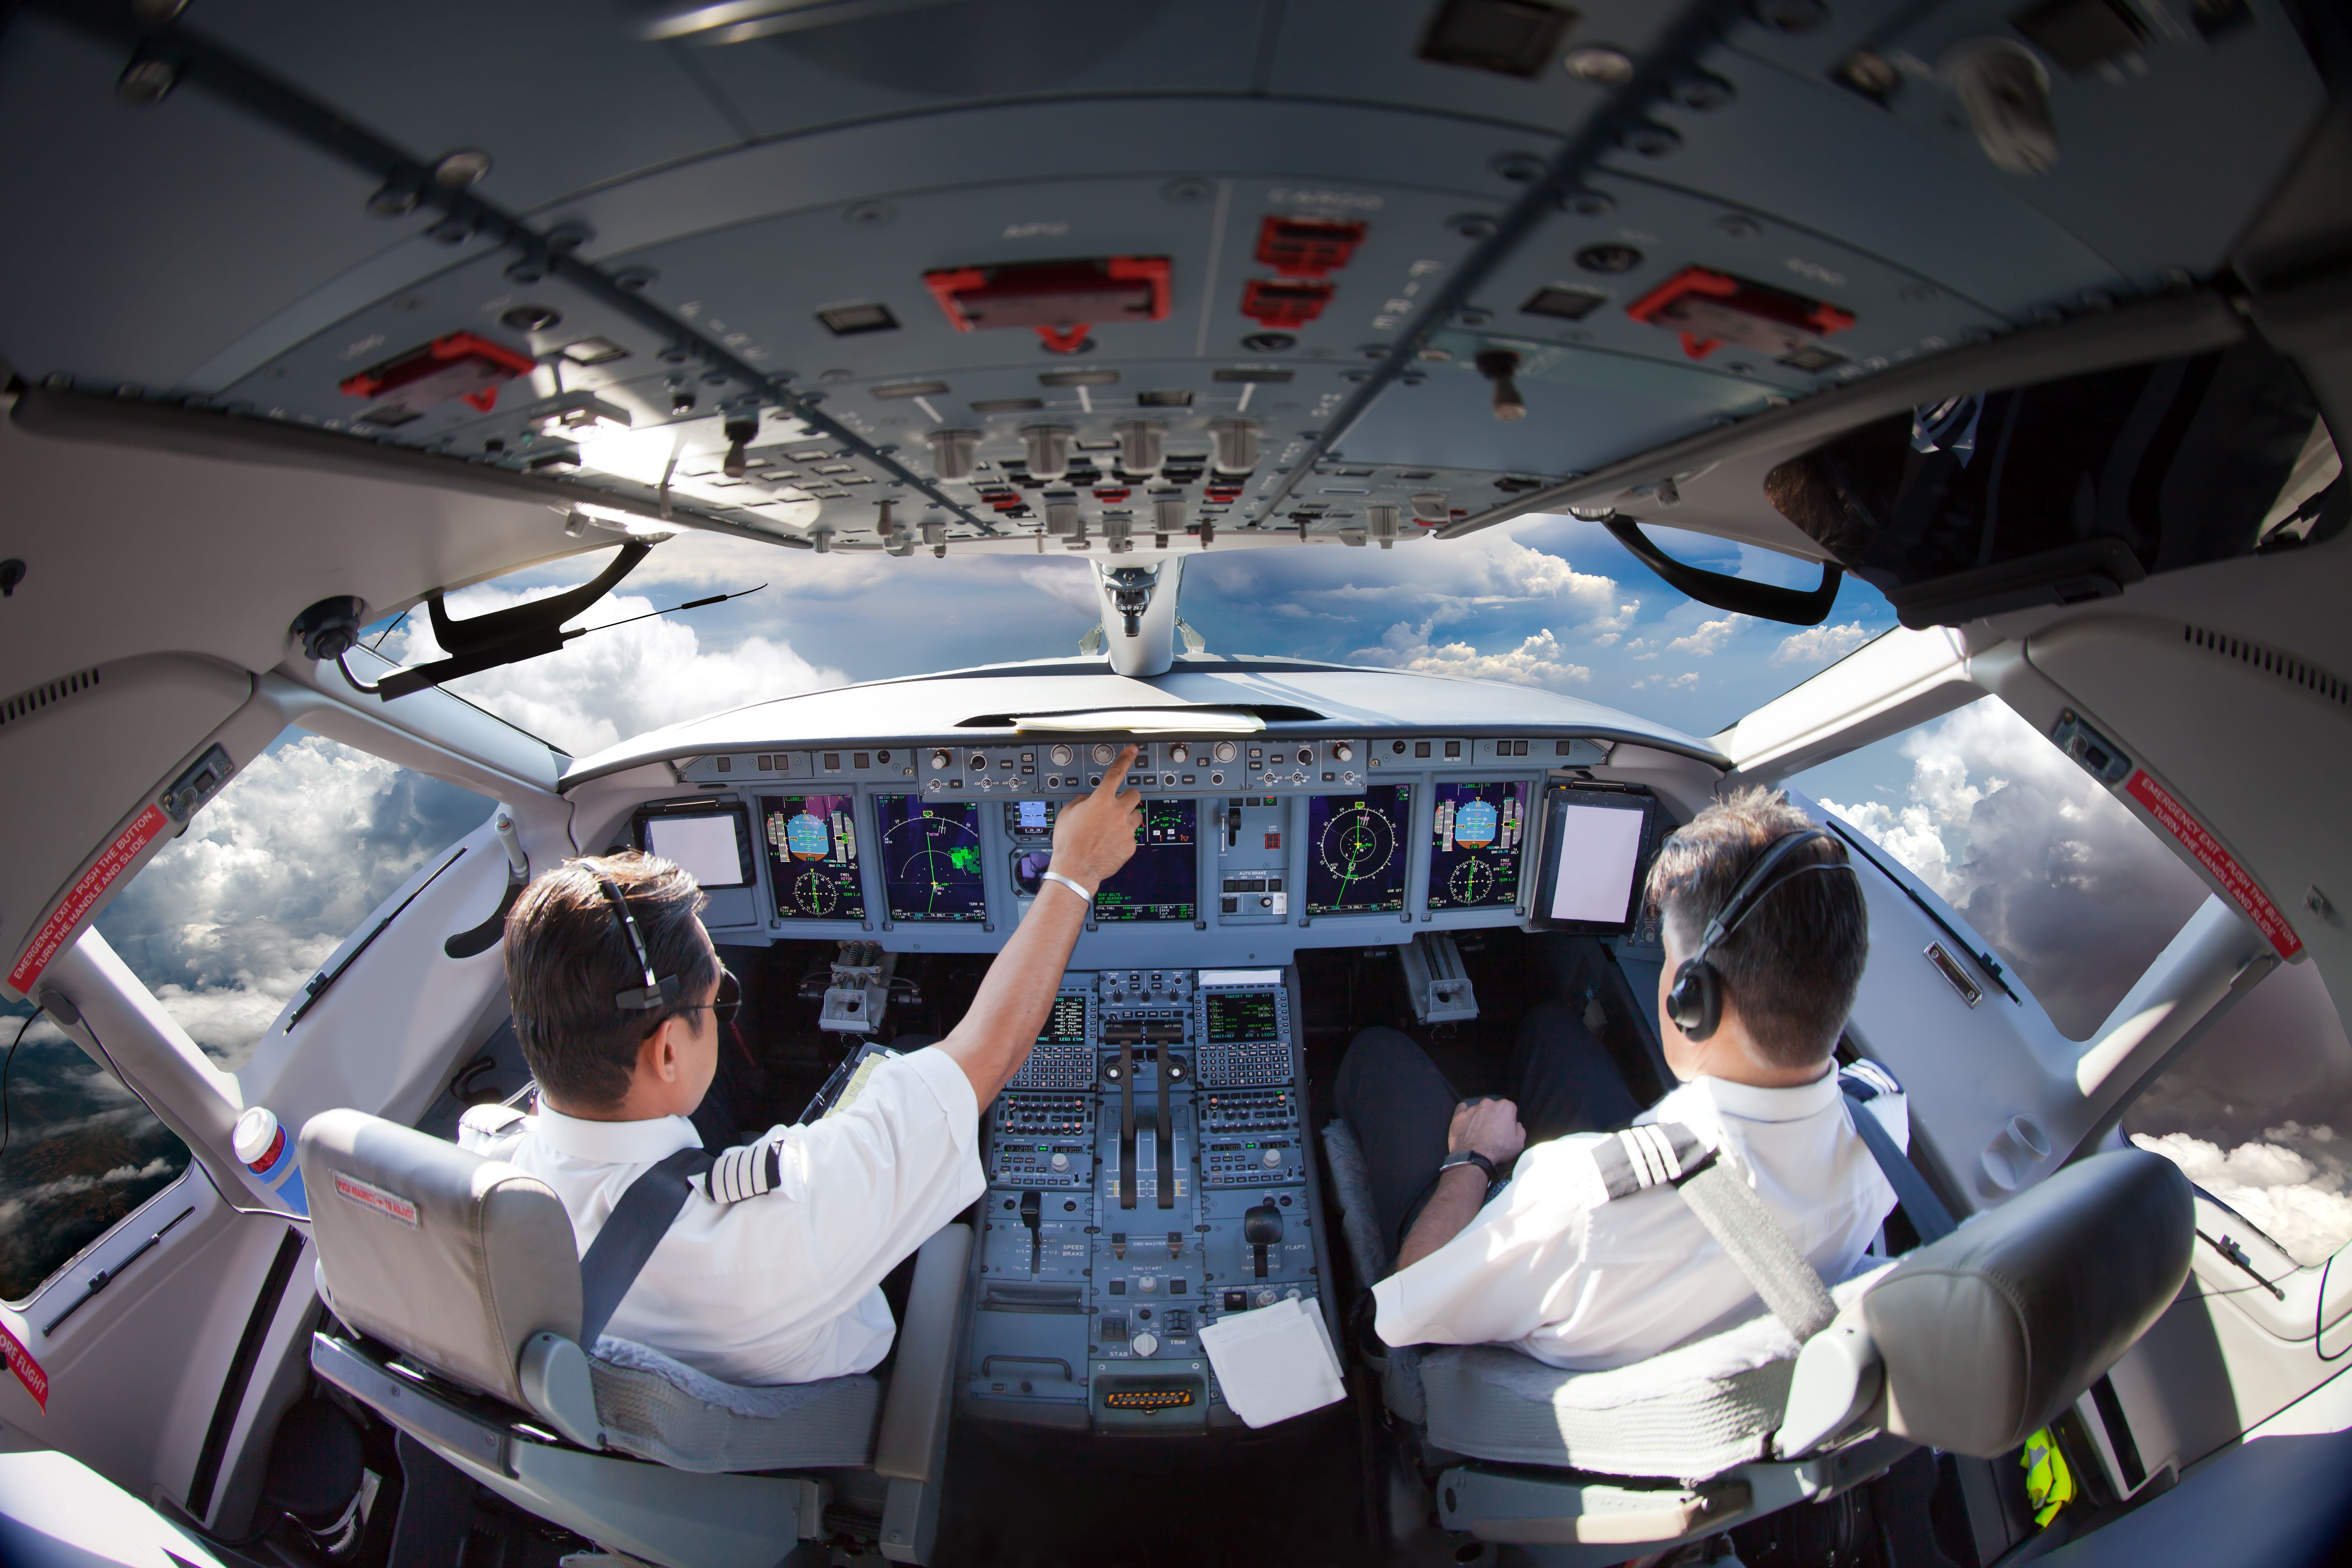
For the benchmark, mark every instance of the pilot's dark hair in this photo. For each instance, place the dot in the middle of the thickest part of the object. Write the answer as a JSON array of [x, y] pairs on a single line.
[[1792, 967], [567, 958]]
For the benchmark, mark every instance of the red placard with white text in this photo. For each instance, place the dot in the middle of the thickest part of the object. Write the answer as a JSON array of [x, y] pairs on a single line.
[[28, 1370], [2209, 853], [119, 856]]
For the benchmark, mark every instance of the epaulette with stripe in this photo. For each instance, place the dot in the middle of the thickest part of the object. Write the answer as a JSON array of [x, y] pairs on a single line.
[[745, 1172], [491, 1130], [1866, 1080], [1619, 1164]]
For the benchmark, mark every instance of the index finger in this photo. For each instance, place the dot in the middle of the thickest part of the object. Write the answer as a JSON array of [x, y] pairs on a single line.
[[1114, 777]]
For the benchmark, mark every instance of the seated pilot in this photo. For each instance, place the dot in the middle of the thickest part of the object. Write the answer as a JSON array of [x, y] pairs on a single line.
[[770, 1273], [1579, 1261]]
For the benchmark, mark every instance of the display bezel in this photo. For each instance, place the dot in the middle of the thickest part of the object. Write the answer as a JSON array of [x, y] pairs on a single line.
[[1557, 799], [746, 857]]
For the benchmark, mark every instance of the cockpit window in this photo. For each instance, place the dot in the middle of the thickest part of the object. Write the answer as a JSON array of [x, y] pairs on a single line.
[[2072, 489], [2074, 894], [226, 923]]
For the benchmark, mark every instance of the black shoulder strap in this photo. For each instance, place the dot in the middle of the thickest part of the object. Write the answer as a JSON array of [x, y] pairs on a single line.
[[1928, 1215], [638, 1222]]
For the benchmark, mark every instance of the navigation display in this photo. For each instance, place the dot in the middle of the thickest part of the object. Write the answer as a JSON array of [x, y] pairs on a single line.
[[812, 855], [1356, 851], [930, 858], [708, 845], [1476, 833], [1066, 1024], [1162, 881], [1594, 841], [1235, 1017]]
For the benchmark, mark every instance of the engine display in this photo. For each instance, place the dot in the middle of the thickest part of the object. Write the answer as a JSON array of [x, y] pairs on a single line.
[[1356, 851], [1476, 834], [812, 855], [1161, 883], [930, 858]]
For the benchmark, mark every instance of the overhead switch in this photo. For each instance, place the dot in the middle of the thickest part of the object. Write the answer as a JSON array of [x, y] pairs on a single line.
[[1061, 299], [1307, 247], [952, 452], [1235, 441], [1501, 366], [1049, 450], [1380, 522], [1139, 445]]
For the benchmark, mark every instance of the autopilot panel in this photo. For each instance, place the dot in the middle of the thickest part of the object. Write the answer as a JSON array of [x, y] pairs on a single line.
[[1148, 1173]]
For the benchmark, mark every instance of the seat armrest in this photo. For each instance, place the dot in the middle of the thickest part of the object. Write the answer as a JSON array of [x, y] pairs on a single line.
[[1837, 1379], [915, 1411], [553, 1373]]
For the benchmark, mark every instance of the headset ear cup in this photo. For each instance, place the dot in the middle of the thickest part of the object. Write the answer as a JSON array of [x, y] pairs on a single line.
[[1694, 1003]]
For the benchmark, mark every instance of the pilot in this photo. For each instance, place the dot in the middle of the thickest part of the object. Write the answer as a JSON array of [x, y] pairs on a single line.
[[1559, 1262], [771, 1272]]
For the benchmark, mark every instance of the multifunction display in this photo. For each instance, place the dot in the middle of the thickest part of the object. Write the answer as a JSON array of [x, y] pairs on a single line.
[[1161, 880], [1066, 1024], [930, 858], [1240, 1016], [812, 855], [1475, 834], [1356, 851]]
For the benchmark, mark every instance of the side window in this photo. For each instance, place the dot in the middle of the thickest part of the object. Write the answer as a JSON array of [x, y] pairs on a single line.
[[2074, 894], [80, 1152], [2259, 1114], [228, 922]]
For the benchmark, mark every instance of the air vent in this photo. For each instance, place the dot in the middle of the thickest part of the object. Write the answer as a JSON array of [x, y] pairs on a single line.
[[2316, 681], [24, 704]]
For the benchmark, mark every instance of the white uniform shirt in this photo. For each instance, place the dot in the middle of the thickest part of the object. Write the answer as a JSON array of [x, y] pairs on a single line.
[[1586, 1289], [784, 1287]]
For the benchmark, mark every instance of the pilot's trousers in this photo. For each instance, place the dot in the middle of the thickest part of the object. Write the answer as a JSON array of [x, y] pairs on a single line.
[[1399, 1105]]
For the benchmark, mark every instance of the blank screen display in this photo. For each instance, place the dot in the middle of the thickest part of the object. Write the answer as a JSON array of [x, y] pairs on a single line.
[[1596, 851], [707, 848]]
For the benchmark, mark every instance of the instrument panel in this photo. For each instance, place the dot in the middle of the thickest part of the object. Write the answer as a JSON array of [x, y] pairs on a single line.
[[1256, 846]]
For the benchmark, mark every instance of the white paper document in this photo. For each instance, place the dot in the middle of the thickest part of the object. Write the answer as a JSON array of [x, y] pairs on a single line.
[[1275, 1362]]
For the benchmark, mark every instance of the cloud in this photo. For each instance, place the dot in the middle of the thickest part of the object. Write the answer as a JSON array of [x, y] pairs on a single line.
[[228, 921], [2069, 888], [1537, 661], [2290, 1182], [1071, 583], [611, 685], [1820, 644], [1709, 636]]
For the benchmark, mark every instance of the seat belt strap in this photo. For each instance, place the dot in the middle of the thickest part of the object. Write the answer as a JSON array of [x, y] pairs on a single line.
[[1752, 1238], [1928, 1215], [635, 1228]]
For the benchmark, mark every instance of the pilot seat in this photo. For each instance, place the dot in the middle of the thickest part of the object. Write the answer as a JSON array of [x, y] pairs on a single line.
[[458, 1295], [1968, 1344]]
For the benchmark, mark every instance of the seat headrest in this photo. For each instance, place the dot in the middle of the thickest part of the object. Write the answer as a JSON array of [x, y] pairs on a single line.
[[452, 1258], [1994, 1330]]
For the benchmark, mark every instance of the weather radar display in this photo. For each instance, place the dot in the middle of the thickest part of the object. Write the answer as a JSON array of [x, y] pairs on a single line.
[[1476, 833], [930, 858], [1356, 851], [812, 855]]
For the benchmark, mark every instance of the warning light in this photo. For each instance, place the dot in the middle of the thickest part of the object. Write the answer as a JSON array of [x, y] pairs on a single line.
[[1284, 302], [461, 366], [1711, 309], [1308, 247], [1062, 300]]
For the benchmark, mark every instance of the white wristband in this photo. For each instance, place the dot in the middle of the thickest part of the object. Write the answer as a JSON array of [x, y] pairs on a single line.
[[1057, 877]]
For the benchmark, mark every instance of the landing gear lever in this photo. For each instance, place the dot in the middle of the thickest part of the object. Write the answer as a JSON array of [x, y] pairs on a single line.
[[1262, 1228], [1030, 1203]]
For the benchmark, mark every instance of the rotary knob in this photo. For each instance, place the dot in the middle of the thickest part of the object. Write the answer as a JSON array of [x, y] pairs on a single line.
[[1147, 1286], [1225, 752], [1145, 1343], [1060, 1162], [1342, 752], [1271, 1158], [1267, 1298], [940, 759], [1306, 753], [1061, 755], [1103, 752], [979, 763], [1180, 753]]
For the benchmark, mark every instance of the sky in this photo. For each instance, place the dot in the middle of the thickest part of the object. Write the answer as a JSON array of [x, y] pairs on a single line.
[[2073, 892]]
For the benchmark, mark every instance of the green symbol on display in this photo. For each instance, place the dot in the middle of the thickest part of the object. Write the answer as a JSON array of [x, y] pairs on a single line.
[[964, 858]]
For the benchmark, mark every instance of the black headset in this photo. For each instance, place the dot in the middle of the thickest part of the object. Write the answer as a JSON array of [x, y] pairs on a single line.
[[1694, 1002], [655, 994]]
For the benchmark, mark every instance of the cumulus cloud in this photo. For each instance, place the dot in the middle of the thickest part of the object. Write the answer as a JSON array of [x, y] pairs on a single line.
[[2071, 890], [229, 919], [1709, 636], [2290, 1181], [1537, 661], [1820, 644], [1071, 583], [612, 684]]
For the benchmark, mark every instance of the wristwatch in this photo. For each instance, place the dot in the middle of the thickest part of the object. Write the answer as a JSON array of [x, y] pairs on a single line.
[[1471, 1157]]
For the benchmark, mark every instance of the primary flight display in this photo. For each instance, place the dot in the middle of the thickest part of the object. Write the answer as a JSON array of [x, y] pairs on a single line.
[[812, 855], [1476, 833]]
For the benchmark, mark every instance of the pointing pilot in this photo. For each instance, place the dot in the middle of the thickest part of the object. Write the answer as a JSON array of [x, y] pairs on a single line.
[[770, 1272]]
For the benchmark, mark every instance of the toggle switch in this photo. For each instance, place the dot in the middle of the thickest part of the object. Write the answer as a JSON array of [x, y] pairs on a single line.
[[1499, 366], [1119, 1244], [1175, 1245]]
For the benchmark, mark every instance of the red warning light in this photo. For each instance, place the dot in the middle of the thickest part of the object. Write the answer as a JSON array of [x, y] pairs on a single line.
[[1307, 247], [461, 366], [1062, 300], [1711, 309]]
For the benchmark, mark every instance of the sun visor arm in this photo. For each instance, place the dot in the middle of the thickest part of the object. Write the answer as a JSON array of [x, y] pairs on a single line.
[[1792, 607]]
